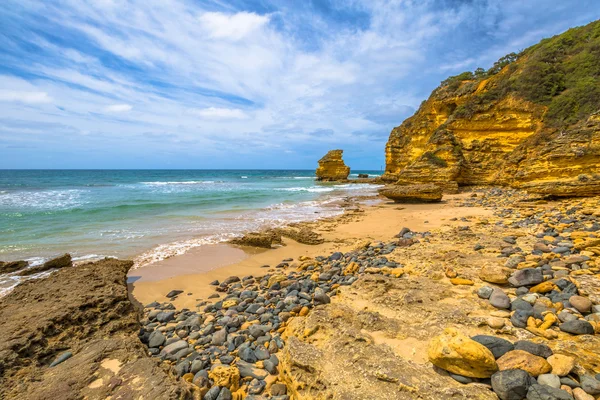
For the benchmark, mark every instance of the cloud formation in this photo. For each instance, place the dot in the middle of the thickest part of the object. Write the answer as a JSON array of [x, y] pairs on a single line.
[[270, 84]]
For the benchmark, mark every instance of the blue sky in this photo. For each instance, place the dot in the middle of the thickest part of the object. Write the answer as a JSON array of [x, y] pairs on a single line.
[[239, 84]]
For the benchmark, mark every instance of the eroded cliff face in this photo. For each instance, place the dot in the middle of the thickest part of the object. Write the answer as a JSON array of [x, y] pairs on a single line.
[[481, 129]]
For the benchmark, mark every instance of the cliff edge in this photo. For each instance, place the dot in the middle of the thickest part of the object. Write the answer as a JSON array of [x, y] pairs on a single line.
[[532, 121]]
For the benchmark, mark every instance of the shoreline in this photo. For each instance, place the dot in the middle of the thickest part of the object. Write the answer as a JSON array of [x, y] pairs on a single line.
[[194, 271]]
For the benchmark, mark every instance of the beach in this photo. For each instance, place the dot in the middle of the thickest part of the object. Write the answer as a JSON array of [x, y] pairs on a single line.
[[193, 271]]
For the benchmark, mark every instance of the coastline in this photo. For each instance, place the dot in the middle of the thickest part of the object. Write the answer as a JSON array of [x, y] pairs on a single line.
[[192, 272]]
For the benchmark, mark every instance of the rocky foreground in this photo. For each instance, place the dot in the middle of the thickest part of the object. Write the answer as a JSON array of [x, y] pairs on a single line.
[[505, 306]]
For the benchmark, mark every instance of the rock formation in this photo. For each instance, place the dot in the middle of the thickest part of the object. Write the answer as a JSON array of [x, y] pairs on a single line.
[[74, 335], [427, 192], [332, 167], [532, 121]]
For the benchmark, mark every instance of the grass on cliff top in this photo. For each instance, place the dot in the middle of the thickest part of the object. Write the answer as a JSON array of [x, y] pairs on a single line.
[[562, 73]]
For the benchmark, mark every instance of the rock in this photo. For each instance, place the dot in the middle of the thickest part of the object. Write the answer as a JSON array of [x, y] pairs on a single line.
[[544, 392], [580, 394], [249, 370], [456, 353], [499, 299], [496, 345], [321, 297], [485, 292], [526, 277], [61, 358], [590, 384], [86, 309], [581, 304], [56, 263], [224, 394], [537, 349], [519, 359], [332, 167], [461, 281], [413, 193], [212, 394], [561, 365], [550, 380], [175, 347], [254, 239], [494, 274], [577, 327], [12, 266], [174, 293], [225, 376], [219, 337], [156, 339], [511, 384], [278, 389]]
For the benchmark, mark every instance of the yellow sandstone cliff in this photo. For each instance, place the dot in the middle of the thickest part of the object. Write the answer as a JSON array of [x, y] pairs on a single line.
[[332, 167], [532, 121]]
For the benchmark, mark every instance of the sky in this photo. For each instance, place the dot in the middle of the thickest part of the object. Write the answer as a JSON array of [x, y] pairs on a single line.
[[240, 84]]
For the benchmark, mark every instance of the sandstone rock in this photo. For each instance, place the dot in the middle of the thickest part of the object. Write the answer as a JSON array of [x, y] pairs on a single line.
[[461, 281], [90, 314], [225, 376], [581, 304], [255, 239], [55, 263], [519, 359], [456, 353], [561, 365], [580, 394], [412, 193], [332, 167], [12, 266], [494, 274]]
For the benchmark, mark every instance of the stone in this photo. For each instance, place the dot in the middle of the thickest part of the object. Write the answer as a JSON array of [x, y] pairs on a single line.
[[249, 370], [156, 339], [219, 337], [173, 348], [332, 167], [255, 239], [577, 327], [456, 353], [526, 277], [550, 380], [321, 297], [581, 304], [413, 193], [524, 360], [278, 389], [224, 394], [174, 293], [499, 299], [544, 392], [462, 281], [511, 384], [543, 287], [12, 266], [61, 358], [212, 394], [537, 349], [496, 345], [590, 384], [225, 376], [485, 292], [561, 364], [495, 322], [580, 394], [494, 274]]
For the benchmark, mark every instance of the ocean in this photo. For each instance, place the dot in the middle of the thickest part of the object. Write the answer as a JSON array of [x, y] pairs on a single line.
[[148, 215]]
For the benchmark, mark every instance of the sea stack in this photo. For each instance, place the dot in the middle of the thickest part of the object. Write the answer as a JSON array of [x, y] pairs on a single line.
[[332, 167]]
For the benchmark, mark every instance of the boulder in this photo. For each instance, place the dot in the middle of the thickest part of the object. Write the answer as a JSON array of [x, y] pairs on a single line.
[[427, 192], [255, 239], [12, 266], [332, 167], [511, 384], [456, 353]]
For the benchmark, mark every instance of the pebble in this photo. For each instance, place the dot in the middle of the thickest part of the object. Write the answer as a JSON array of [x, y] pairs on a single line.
[[485, 292], [550, 380], [499, 299], [577, 327], [496, 345], [545, 392], [590, 384], [511, 384]]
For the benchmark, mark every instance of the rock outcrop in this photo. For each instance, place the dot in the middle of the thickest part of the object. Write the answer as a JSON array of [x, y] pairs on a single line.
[[332, 167], [74, 335], [532, 121], [427, 192]]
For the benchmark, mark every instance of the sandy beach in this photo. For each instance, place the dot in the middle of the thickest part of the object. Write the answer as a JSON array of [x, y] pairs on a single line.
[[193, 271]]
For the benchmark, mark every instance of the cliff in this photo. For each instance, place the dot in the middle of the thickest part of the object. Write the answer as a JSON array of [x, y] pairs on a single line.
[[332, 167], [532, 121], [74, 335]]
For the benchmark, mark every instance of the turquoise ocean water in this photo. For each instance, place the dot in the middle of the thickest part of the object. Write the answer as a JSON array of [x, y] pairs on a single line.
[[151, 214]]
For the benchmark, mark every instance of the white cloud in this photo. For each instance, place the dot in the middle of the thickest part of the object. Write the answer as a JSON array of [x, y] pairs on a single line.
[[232, 26], [25, 97], [118, 108], [220, 113]]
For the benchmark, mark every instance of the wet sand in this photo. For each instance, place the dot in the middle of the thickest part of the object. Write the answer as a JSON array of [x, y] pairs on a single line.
[[193, 271]]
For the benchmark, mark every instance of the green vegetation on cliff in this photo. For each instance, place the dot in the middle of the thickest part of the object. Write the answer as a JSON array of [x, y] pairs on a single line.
[[561, 73]]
